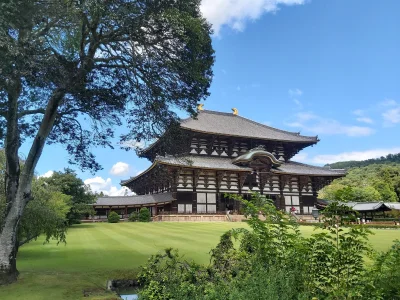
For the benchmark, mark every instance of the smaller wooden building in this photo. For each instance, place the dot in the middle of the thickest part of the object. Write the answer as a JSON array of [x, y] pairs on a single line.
[[367, 210], [125, 205]]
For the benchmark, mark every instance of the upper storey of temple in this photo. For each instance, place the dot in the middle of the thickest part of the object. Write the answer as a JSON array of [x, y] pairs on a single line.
[[228, 134], [228, 124]]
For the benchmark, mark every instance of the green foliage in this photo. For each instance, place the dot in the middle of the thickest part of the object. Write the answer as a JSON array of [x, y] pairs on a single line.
[[46, 214], [394, 213], [273, 261], [144, 215], [111, 60], [113, 217], [388, 159], [385, 272], [134, 216], [81, 196], [266, 262], [366, 184], [336, 256]]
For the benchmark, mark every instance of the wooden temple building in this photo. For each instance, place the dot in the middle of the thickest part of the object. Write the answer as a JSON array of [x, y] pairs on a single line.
[[223, 153]]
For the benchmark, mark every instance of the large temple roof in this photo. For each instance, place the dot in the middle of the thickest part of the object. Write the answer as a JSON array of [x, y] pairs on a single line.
[[134, 200], [225, 163], [233, 125]]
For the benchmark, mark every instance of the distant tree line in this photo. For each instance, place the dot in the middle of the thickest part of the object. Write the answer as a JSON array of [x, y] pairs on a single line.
[[374, 182], [388, 159]]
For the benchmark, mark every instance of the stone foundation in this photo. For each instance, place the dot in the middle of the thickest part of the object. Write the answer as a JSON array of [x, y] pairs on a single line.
[[190, 218]]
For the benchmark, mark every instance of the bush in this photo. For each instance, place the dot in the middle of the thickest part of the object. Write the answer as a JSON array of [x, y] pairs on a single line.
[[134, 217], [113, 217], [386, 272], [144, 215], [273, 261]]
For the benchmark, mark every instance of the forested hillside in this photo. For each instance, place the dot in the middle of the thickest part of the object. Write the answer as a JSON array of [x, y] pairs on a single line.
[[388, 159], [379, 181]]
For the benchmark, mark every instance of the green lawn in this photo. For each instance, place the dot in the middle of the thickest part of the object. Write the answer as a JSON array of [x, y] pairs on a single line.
[[101, 251]]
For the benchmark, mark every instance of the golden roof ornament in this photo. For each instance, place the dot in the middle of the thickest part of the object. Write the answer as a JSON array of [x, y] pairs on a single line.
[[235, 111], [200, 107]]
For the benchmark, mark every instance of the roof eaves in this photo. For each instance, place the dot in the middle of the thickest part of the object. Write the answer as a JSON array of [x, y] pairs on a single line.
[[124, 182], [202, 167]]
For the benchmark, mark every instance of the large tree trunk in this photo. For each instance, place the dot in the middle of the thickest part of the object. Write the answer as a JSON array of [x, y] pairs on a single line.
[[18, 184], [8, 242]]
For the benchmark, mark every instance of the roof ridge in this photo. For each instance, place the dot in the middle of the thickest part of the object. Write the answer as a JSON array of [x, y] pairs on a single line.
[[252, 121]]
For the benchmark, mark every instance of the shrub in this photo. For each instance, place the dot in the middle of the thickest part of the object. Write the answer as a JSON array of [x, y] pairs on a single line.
[[144, 215], [386, 272], [134, 217], [274, 261], [113, 217]]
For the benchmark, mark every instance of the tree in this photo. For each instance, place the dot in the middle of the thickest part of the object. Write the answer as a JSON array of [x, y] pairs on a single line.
[[81, 196], [73, 70], [45, 214], [144, 215], [113, 217], [134, 216], [375, 182]]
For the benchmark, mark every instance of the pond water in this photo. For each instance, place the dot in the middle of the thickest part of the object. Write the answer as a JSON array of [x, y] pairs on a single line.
[[129, 297]]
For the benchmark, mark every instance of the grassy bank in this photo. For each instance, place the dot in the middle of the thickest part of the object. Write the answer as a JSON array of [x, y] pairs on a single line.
[[100, 251]]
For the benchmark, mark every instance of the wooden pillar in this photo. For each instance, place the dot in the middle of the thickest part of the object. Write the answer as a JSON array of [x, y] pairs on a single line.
[[314, 189], [219, 178], [156, 210], [302, 181], [126, 211], [283, 179]]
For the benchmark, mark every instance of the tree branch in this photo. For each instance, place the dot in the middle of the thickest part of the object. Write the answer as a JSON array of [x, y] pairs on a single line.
[[31, 112]]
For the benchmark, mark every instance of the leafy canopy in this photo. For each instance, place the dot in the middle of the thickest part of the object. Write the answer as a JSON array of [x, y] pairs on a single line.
[[81, 196], [45, 214], [272, 261], [100, 65], [366, 184]]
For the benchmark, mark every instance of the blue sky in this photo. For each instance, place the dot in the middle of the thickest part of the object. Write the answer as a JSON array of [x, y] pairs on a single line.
[[322, 67]]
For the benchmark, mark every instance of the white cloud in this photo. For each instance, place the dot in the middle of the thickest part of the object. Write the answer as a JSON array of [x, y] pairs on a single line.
[[99, 184], [235, 13], [301, 157], [361, 117], [120, 168], [392, 115], [320, 125], [365, 120], [355, 155], [295, 92], [133, 144], [47, 174], [358, 112], [388, 102], [298, 103], [139, 172]]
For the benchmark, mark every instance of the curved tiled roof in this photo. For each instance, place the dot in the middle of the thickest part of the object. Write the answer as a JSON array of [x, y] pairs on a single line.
[[225, 163], [233, 125], [297, 168], [363, 206], [199, 161], [134, 200]]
